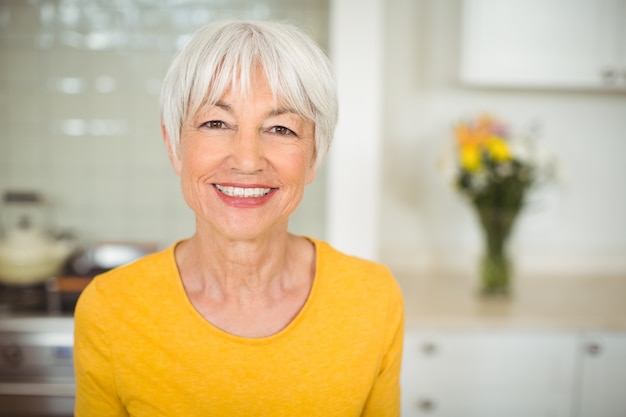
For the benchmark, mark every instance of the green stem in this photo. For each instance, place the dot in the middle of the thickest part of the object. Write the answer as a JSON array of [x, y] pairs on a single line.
[[495, 267]]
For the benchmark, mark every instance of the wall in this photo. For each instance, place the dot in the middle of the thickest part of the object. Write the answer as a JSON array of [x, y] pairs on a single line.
[[576, 226], [354, 161], [81, 125], [79, 85]]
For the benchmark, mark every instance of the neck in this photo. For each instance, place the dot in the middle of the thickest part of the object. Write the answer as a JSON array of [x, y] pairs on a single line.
[[221, 267]]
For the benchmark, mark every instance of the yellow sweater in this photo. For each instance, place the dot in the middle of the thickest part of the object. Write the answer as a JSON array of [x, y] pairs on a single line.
[[141, 349]]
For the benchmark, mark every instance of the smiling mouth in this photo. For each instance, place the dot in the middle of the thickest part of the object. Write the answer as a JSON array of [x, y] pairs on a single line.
[[243, 192]]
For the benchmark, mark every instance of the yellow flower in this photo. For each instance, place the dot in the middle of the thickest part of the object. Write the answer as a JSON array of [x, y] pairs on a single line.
[[470, 158], [479, 139], [498, 148]]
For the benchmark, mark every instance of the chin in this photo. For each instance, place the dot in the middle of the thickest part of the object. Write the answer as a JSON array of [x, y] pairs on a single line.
[[248, 230]]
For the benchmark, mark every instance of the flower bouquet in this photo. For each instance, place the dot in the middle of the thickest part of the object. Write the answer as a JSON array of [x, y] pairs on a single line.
[[495, 177]]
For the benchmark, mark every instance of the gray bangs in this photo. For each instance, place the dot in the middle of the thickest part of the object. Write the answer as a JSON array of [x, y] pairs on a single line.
[[237, 62]]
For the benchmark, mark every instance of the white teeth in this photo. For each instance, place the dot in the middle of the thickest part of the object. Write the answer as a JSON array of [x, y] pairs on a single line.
[[243, 192]]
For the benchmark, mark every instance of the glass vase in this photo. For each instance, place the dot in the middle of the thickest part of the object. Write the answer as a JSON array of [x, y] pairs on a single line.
[[495, 266], [495, 274]]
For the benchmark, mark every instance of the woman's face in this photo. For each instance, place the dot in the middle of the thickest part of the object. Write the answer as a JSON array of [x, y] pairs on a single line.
[[244, 163]]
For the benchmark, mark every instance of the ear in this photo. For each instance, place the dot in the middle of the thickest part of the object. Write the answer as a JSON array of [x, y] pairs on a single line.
[[311, 173], [174, 159]]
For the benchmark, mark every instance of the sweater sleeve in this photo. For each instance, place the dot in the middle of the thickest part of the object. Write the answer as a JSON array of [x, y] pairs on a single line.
[[384, 398], [93, 366]]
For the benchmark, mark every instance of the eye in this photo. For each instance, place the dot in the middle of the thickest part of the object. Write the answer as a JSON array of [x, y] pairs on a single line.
[[214, 124], [282, 131]]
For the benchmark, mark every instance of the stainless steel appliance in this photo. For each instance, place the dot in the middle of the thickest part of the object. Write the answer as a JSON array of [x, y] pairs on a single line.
[[36, 366], [36, 333]]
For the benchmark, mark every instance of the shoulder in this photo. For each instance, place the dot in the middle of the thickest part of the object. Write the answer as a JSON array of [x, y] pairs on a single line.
[[132, 280], [362, 294], [331, 259], [359, 275], [150, 265]]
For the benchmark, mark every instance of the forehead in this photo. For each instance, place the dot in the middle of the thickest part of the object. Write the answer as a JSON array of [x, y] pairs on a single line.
[[255, 89]]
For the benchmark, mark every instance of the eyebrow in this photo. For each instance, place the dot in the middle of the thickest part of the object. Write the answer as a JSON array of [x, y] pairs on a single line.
[[282, 110], [224, 106], [272, 113]]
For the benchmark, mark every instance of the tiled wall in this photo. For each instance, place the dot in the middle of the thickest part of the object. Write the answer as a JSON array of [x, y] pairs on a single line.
[[79, 85]]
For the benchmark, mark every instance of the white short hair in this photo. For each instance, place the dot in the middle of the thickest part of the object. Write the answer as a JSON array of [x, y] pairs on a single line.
[[223, 55]]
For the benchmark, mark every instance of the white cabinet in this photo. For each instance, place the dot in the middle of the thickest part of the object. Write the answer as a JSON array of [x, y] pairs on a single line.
[[488, 374], [603, 375], [508, 373], [544, 43]]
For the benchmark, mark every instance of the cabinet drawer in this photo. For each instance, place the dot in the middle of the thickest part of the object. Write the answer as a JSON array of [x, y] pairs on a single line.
[[603, 375], [488, 374]]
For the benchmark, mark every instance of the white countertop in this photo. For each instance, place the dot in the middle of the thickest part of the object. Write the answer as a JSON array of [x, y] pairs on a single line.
[[37, 324], [452, 301]]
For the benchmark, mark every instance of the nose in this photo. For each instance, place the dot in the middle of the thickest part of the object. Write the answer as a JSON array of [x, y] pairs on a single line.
[[247, 152]]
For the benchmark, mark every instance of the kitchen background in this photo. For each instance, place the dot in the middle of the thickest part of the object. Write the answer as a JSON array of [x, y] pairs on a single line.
[[79, 85], [575, 226], [79, 91]]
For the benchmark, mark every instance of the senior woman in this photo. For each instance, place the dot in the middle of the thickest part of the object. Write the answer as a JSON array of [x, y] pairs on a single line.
[[243, 318]]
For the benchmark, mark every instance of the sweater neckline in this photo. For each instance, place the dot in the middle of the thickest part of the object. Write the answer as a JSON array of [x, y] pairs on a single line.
[[194, 314]]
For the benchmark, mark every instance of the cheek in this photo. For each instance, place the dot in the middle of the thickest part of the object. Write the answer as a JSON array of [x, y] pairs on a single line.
[[197, 158], [299, 166]]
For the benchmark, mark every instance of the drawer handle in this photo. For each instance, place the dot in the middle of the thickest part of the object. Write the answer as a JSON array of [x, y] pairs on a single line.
[[429, 348], [609, 75], [594, 349], [426, 404]]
